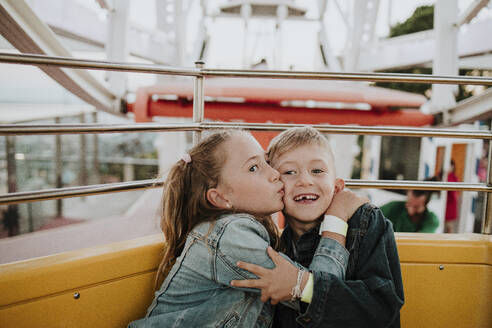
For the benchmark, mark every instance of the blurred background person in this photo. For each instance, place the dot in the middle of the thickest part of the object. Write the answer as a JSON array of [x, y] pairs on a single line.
[[451, 203], [412, 215]]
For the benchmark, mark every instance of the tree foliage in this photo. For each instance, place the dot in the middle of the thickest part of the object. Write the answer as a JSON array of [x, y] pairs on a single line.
[[422, 19]]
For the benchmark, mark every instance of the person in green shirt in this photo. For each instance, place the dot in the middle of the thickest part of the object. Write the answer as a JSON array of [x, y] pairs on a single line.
[[412, 215]]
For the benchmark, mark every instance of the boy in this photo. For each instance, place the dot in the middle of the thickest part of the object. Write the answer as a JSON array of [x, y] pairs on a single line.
[[371, 294]]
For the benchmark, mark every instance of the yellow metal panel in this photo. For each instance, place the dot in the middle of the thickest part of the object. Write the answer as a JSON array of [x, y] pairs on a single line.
[[57, 273], [444, 248], [116, 283], [459, 295], [112, 304]]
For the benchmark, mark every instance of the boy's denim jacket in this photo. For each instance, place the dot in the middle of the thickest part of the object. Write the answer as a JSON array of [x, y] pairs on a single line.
[[197, 291], [371, 294]]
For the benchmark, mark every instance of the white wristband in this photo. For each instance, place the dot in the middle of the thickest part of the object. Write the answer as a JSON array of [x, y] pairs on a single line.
[[333, 224]]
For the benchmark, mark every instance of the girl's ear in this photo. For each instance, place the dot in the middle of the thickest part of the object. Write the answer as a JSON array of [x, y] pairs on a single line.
[[216, 199], [339, 184]]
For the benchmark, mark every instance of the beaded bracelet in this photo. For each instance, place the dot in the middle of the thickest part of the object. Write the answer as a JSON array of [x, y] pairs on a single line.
[[297, 291]]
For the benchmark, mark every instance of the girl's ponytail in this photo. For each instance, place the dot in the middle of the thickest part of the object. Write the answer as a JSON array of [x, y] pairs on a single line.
[[174, 222]]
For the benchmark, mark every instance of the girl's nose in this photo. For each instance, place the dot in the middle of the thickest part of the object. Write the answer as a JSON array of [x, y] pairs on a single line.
[[275, 175]]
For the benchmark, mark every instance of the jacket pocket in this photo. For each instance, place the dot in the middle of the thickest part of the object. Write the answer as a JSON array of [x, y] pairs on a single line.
[[230, 321]]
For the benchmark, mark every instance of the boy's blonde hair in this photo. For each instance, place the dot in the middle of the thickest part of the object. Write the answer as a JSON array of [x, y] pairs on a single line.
[[296, 137]]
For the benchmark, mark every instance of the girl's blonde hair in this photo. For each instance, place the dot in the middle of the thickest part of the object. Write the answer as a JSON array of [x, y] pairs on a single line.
[[184, 200], [296, 137]]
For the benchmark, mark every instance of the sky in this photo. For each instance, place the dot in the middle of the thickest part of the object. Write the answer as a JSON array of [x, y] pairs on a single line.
[[231, 47], [298, 39], [299, 49]]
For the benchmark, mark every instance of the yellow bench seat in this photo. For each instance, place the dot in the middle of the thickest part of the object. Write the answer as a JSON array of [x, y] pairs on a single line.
[[447, 280]]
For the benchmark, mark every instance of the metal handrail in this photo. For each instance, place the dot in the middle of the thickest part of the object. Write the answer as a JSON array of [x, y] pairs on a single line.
[[369, 77], [68, 192], [29, 129], [31, 59], [58, 193], [198, 105], [38, 129], [28, 59]]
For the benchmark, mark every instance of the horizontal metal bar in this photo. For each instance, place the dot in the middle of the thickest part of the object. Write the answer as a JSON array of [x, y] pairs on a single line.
[[369, 77], [417, 185], [28, 59], [31, 129], [58, 193], [209, 72], [48, 194], [365, 130], [76, 159], [27, 129]]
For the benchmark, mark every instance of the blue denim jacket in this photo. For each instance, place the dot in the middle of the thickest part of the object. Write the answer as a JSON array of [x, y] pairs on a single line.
[[371, 294], [197, 291]]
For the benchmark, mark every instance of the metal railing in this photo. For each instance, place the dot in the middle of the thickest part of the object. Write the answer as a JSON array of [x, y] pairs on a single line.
[[199, 73], [91, 190], [207, 72], [30, 129]]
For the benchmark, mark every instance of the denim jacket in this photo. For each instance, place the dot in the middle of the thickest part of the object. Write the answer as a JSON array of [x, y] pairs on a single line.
[[197, 291], [371, 294]]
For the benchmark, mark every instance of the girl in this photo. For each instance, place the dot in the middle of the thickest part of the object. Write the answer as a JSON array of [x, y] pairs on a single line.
[[216, 211]]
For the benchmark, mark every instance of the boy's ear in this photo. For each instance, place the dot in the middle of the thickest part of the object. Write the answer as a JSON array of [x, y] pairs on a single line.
[[216, 199], [339, 184]]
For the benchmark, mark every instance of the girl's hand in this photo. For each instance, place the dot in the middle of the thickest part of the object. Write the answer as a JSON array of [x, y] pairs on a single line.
[[275, 284], [345, 203]]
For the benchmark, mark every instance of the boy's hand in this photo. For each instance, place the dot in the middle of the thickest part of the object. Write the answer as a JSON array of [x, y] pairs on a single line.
[[345, 203], [275, 284]]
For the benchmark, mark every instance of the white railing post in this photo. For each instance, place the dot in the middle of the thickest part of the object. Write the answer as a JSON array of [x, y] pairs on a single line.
[[198, 102]]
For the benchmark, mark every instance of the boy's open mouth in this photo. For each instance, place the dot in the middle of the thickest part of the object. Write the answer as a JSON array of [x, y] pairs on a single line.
[[306, 198]]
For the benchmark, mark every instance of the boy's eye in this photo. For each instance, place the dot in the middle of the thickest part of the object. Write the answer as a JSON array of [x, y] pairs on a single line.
[[253, 168], [317, 171], [289, 172]]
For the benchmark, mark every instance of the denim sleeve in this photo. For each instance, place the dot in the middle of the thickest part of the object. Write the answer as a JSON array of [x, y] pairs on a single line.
[[374, 294], [246, 240], [330, 257]]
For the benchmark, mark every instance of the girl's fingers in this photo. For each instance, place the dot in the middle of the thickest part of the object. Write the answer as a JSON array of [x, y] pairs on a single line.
[[276, 258], [253, 268], [247, 283]]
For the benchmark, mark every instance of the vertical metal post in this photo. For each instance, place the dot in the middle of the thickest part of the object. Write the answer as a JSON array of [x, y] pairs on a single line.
[[83, 151], [11, 217], [487, 219], [198, 102], [95, 158], [29, 217], [58, 170]]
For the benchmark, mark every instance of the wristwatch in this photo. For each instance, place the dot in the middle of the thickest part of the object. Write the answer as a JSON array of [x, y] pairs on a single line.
[[334, 224]]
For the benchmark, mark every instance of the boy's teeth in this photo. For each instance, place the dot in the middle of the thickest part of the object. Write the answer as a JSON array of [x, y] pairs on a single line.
[[305, 197]]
